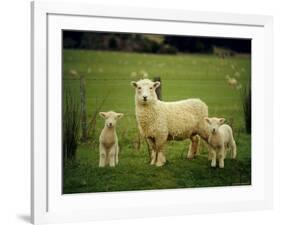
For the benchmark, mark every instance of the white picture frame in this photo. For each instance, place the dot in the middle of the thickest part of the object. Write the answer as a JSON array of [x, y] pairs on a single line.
[[48, 205]]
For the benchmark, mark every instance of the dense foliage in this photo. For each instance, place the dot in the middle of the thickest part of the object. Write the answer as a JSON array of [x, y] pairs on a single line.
[[150, 43]]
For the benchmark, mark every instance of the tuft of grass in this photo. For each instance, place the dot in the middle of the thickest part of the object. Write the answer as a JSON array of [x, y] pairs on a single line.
[[71, 119], [247, 106]]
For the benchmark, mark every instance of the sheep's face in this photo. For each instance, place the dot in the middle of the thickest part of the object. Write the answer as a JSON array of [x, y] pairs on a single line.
[[110, 118], [145, 90], [214, 124]]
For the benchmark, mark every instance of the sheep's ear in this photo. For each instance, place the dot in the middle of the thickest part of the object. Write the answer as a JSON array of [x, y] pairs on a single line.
[[134, 84], [120, 115], [103, 114], [156, 84], [207, 120], [222, 120]]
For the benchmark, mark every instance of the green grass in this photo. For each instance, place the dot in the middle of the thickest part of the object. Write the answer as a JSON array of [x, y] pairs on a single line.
[[183, 76]]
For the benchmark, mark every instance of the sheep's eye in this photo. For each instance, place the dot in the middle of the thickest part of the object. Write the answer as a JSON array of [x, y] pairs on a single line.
[[150, 88], [139, 88]]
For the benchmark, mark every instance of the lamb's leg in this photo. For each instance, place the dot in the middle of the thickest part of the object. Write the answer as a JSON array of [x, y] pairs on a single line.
[[193, 147], [221, 154], [102, 161], [111, 155], [213, 157]]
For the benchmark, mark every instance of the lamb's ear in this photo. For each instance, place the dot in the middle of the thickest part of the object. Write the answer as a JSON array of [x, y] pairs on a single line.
[[156, 84], [134, 84], [222, 120], [120, 115], [207, 120], [103, 114]]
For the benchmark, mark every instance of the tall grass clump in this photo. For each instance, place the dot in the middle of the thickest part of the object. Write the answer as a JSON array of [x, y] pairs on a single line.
[[247, 103], [71, 119]]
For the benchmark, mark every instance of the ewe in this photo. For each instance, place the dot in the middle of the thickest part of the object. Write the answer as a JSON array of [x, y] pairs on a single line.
[[220, 139], [160, 121], [109, 148]]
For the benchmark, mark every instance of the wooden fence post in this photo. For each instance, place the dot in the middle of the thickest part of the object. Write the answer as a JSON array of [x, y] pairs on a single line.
[[83, 108], [158, 90]]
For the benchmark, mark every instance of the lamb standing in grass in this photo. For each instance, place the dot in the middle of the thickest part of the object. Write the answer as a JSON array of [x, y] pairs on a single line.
[[220, 139], [160, 121], [109, 148], [232, 82]]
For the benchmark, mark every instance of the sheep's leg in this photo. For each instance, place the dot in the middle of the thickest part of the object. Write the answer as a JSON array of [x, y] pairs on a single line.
[[163, 157], [233, 150], [112, 153], [151, 145], [153, 157], [221, 155], [193, 147], [213, 157], [102, 161], [226, 149], [160, 159]]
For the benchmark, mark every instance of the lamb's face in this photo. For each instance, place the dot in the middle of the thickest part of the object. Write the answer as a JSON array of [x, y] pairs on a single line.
[[145, 90], [214, 124], [110, 118]]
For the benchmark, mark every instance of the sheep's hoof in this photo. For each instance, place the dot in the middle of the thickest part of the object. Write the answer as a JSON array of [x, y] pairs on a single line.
[[158, 164], [190, 157]]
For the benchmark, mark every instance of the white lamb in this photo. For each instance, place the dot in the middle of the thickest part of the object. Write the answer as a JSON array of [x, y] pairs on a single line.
[[109, 148], [160, 121], [220, 140], [231, 81]]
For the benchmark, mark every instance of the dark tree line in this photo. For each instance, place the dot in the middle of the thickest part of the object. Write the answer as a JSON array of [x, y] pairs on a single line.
[[141, 43], [203, 44]]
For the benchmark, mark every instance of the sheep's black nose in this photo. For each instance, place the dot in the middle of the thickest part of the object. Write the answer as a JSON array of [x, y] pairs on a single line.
[[110, 124], [214, 130], [144, 98]]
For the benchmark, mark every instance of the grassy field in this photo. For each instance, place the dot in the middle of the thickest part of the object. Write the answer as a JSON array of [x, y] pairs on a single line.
[[108, 76]]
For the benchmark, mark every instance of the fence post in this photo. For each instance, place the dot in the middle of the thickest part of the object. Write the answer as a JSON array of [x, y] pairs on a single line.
[[158, 90], [83, 108]]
